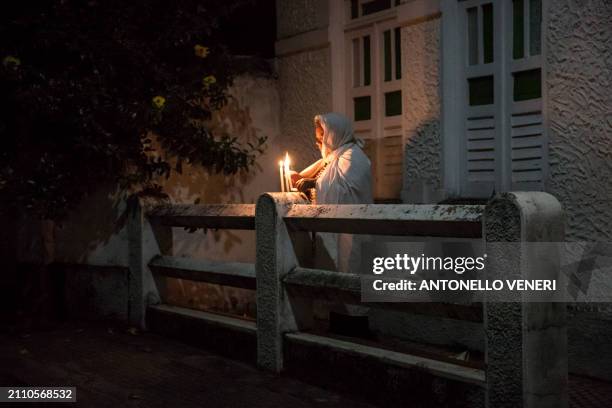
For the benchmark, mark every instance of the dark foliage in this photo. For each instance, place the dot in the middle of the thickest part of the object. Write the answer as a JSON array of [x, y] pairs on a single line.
[[84, 85]]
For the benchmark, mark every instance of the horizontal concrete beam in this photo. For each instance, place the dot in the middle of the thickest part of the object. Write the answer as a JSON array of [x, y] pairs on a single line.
[[460, 221], [346, 288], [436, 367], [324, 280], [235, 274], [215, 216]]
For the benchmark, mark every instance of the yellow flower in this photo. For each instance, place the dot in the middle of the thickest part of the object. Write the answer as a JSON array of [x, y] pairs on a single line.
[[201, 51], [209, 80], [159, 102], [11, 61]]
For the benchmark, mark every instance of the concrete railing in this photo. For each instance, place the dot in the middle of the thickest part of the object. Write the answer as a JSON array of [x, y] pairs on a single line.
[[525, 347], [149, 231]]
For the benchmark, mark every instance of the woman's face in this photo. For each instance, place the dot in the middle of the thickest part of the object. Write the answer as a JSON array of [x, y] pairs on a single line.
[[319, 136]]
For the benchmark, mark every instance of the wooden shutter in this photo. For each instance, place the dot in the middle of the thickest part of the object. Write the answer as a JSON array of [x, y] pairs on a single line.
[[528, 146]]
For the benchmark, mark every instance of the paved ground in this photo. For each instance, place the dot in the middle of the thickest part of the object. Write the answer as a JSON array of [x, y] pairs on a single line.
[[589, 393], [117, 368]]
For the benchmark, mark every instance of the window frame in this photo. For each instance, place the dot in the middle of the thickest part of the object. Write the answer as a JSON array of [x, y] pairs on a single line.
[[454, 54], [380, 129]]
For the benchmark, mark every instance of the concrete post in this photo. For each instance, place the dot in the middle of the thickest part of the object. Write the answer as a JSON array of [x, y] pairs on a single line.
[[142, 247], [275, 257], [526, 342]]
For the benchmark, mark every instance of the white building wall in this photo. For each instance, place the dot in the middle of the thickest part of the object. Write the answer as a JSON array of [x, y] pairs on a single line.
[[304, 74], [304, 83], [295, 17], [579, 106], [579, 84], [421, 104]]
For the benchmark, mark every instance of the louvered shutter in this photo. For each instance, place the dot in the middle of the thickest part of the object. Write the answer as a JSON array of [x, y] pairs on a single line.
[[528, 146], [480, 151]]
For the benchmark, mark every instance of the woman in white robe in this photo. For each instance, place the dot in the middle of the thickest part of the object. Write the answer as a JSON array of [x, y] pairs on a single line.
[[342, 176]]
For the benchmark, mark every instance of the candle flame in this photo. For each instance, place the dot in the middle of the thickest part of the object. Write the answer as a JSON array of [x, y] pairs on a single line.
[[287, 159]]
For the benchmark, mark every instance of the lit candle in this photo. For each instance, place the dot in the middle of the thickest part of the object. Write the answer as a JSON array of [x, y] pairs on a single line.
[[282, 176], [288, 173]]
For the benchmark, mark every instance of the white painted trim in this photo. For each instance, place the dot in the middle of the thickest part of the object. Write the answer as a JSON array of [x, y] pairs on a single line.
[[390, 14], [502, 54], [302, 42], [402, 14], [452, 99], [545, 102], [417, 10]]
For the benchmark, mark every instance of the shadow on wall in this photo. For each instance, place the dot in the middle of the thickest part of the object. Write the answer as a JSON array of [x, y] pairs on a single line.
[[251, 112], [422, 164], [95, 233]]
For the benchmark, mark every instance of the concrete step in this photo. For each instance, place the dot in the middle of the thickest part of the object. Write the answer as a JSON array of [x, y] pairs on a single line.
[[228, 336]]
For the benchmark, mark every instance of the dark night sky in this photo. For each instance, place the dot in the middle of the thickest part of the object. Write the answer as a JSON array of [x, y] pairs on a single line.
[[252, 30]]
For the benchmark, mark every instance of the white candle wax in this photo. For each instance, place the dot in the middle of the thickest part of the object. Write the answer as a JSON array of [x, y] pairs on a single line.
[[287, 174], [282, 176]]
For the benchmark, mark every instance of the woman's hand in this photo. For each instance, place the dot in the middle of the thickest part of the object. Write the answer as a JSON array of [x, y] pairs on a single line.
[[295, 176], [305, 183]]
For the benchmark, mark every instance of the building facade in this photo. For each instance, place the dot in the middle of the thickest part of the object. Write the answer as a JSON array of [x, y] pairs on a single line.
[[460, 99]]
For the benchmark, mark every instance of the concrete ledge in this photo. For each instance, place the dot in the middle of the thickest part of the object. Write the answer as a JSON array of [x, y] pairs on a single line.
[[235, 274], [438, 368], [231, 337], [323, 280], [217, 216], [307, 41], [383, 377], [417, 10]]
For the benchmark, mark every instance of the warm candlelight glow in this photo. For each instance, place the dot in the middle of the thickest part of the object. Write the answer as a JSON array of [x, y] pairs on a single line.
[[285, 174]]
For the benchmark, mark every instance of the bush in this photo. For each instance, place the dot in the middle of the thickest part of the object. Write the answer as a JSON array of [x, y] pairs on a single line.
[[84, 86]]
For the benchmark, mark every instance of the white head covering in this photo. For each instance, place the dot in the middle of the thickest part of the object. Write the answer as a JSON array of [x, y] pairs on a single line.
[[347, 176], [337, 132]]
